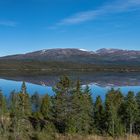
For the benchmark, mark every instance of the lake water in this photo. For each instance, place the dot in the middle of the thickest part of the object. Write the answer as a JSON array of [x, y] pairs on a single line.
[[99, 83]]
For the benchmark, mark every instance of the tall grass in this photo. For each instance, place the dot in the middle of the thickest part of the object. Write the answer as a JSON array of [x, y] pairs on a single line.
[[43, 136], [77, 137]]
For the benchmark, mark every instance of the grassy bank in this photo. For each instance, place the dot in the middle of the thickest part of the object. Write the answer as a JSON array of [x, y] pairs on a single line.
[[77, 137], [92, 137]]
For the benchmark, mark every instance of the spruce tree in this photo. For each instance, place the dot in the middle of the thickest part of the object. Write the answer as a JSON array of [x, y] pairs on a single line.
[[130, 114], [99, 116], [23, 88], [46, 107], [24, 112], [74, 121], [81, 117], [3, 114], [47, 113], [87, 111], [62, 103], [24, 101], [137, 126], [14, 114], [113, 102]]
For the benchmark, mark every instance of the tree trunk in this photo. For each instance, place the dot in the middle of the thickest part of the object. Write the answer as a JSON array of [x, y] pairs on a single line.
[[131, 128]]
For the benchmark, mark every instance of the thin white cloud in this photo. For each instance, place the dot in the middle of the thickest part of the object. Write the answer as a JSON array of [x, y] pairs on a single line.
[[80, 17], [115, 7], [8, 23]]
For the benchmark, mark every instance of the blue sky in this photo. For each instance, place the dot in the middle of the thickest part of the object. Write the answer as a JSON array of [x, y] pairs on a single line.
[[29, 25]]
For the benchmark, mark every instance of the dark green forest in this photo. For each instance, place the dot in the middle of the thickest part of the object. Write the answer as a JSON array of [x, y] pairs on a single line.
[[70, 111], [38, 67]]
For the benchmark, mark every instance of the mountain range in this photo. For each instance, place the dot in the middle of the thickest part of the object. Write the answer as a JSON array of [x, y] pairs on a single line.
[[74, 58]]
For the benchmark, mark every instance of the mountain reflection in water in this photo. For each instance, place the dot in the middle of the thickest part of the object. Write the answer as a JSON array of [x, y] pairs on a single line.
[[86, 78], [99, 83]]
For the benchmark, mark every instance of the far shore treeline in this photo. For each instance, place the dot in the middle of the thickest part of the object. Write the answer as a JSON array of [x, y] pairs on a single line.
[[70, 111]]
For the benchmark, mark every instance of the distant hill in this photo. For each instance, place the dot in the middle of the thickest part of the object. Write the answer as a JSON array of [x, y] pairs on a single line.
[[74, 59]]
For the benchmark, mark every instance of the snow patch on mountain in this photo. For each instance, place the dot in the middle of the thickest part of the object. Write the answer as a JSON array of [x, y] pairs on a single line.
[[105, 50], [43, 51], [83, 50]]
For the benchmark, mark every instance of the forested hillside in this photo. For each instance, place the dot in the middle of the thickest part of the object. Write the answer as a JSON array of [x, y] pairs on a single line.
[[21, 66], [74, 59]]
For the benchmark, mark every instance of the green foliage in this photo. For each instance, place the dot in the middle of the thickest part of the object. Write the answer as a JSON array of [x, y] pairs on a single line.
[[62, 103], [34, 67], [137, 128], [20, 111], [70, 111], [81, 117], [73, 107], [23, 88], [113, 102], [45, 108], [99, 116], [130, 112], [3, 115]]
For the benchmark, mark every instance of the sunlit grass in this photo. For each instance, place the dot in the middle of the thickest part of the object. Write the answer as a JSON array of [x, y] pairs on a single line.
[[78, 137]]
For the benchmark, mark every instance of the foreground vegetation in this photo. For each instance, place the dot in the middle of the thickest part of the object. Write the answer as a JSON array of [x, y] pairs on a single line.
[[70, 114]]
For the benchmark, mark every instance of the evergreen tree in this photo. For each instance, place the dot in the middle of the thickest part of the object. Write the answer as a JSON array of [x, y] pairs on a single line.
[[137, 128], [37, 116], [46, 107], [113, 102], [24, 101], [14, 114], [23, 113], [130, 114], [47, 113], [23, 88], [99, 116], [87, 111], [3, 114], [81, 117], [73, 124], [62, 103]]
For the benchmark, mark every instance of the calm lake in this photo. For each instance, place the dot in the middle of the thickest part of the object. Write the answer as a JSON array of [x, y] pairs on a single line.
[[99, 83]]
